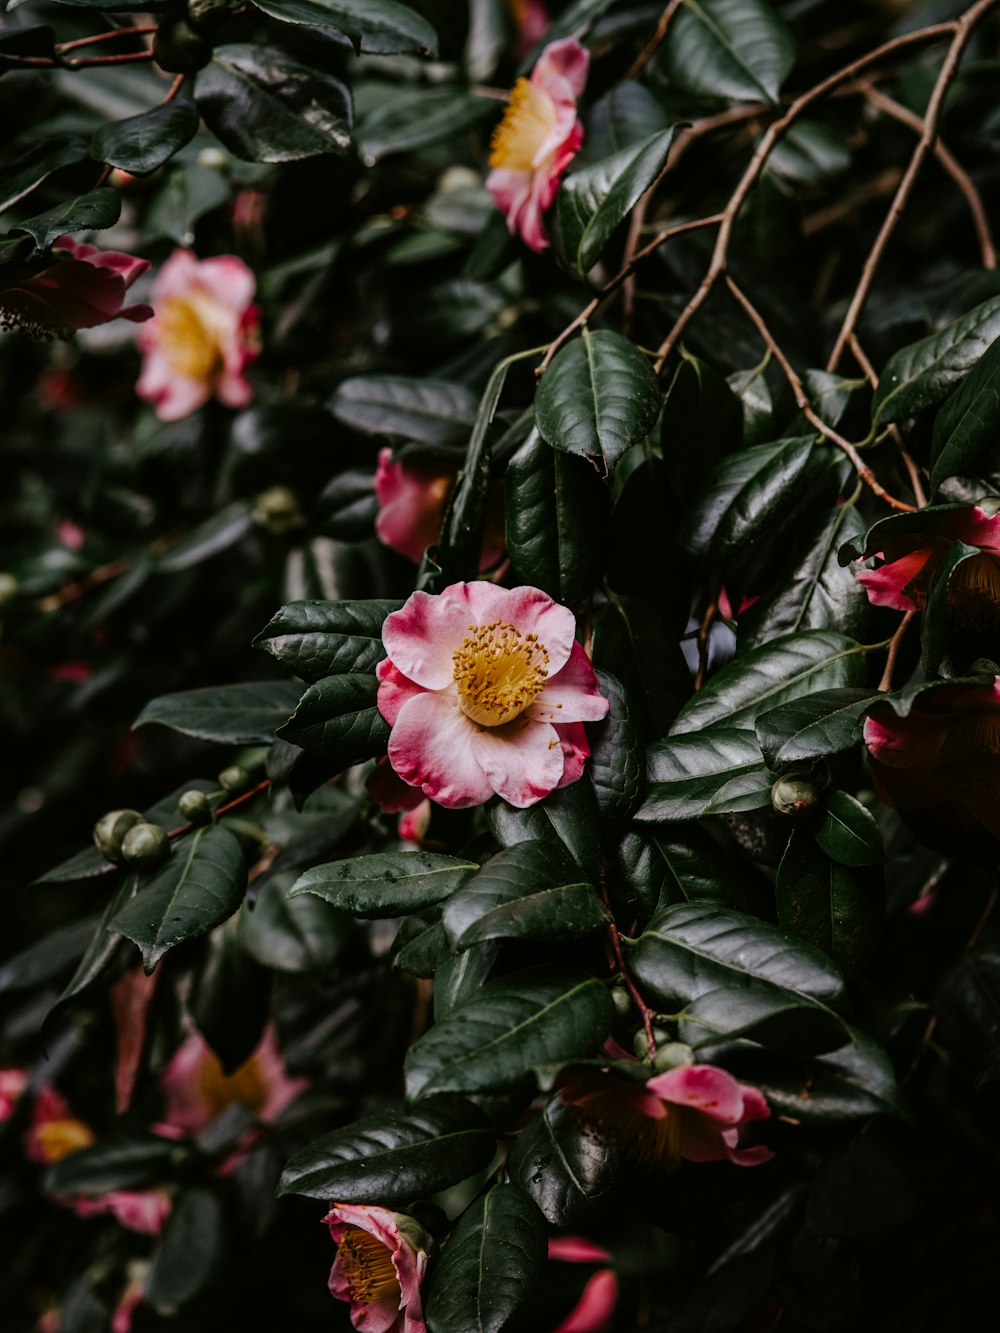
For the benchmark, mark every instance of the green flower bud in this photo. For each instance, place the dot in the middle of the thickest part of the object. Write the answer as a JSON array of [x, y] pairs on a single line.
[[671, 1054], [235, 778], [621, 999], [109, 831], [9, 588], [794, 797], [640, 1043], [145, 844], [277, 511], [179, 47], [195, 806]]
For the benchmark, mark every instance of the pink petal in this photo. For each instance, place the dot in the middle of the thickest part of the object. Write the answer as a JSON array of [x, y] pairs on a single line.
[[576, 751], [532, 612], [561, 69], [390, 793], [412, 498], [704, 1087], [393, 691], [522, 760], [887, 586], [577, 1250], [595, 1309], [571, 694], [431, 747], [421, 637]]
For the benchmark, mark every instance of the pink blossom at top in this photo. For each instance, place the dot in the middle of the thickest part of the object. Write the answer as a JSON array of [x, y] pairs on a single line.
[[912, 557], [486, 692], [413, 495], [12, 1084], [595, 1309], [196, 1091], [538, 138], [379, 1268], [942, 756], [80, 288], [203, 336]]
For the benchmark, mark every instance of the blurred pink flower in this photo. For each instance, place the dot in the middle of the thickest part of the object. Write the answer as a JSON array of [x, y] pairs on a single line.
[[80, 288], [595, 1309], [394, 796], [538, 138], [379, 1268], [413, 496], [486, 692], [12, 1084], [942, 756], [202, 337], [532, 20]]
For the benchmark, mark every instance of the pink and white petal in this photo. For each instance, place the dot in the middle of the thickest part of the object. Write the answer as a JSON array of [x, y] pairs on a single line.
[[394, 690], [571, 694], [709, 1090], [431, 747], [234, 391], [563, 60], [577, 1250], [144, 1211], [562, 143], [523, 760], [755, 1105], [888, 585], [897, 742], [510, 190], [576, 751], [376, 1316], [228, 280], [595, 1309], [423, 635], [532, 612], [175, 277]]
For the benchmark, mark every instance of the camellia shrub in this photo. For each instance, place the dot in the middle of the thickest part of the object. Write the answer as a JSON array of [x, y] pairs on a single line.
[[500, 599]]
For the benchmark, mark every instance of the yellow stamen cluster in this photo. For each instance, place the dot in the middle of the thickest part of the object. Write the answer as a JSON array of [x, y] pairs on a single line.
[[58, 1138], [367, 1265], [13, 319], [526, 124], [219, 1091], [650, 1144], [974, 593], [187, 339], [499, 673]]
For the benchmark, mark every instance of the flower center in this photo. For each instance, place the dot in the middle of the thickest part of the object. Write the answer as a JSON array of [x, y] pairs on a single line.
[[526, 124], [367, 1265], [58, 1138], [974, 593], [187, 339], [219, 1091], [499, 672]]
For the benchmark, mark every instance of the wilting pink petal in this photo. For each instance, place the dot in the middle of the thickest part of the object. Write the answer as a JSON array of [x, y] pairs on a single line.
[[595, 1309], [79, 288], [379, 1268]]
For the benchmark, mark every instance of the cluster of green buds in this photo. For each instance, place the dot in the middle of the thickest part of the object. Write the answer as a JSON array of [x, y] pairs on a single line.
[[127, 838]]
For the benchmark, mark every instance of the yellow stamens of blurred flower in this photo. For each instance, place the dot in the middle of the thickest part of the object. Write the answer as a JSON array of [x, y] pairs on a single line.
[[527, 123], [219, 1091], [58, 1138], [367, 1265], [499, 673], [974, 593], [187, 339]]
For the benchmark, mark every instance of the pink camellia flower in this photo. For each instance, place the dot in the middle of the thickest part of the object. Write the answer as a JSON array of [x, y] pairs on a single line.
[[79, 288], [595, 1309], [379, 1268], [693, 1112], [196, 1091], [413, 495], [942, 756], [911, 560], [486, 692], [12, 1084], [202, 337], [531, 18], [538, 138]]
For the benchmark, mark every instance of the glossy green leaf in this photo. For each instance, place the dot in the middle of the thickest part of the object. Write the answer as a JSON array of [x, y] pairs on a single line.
[[616, 757], [514, 1025], [622, 118], [189, 193], [821, 901], [743, 498], [393, 1156], [91, 212], [746, 791], [532, 890], [218, 533], [644, 559], [702, 422], [199, 887], [777, 673], [597, 398], [774, 1017], [317, 639], [921, 375], [814, 726], [568, 1170], [47, 957], [569, 815], [338, 718], [101, 953], [674, 865], [247, 714], [738, 50], [302, 934], [458, 977], [142, 143], [266, 106], [401, 121], [966, 1004], [684, 773], [634, 644], [23, 175], [966, 427], [230, 999], [556, 510], [375, 27], [852, 1083], [115, 1161], [429, 411], [486, 1269], [596, 199], [386, 883], [189, 1254], [849, 832], [419, 944], [809, 154], [940, 611]]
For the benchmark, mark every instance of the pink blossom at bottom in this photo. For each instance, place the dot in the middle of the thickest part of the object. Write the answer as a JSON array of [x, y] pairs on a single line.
[[80, 288], [486, 691], [379, 1268], [596, 1306]]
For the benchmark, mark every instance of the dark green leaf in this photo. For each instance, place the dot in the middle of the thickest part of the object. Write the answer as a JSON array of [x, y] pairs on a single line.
[[301, 934], [633, 643], [47, 957], [100, 954], [814, 726], [937, 624], [338, 718], [776, 1018], [399, 122], [862, 1191], [317, 639], [375, 27], [967, 1007], [486, 1269], [809, 154], [625, 116], [189, 193], [189, 1254], [201, 885], [420, 942], [616, 758], [597, 398], [562, 1165], [851, 1083], [921, 376], [266, 106], [394, 1156], [218, 533], [679, 865], [230, 1001], [684, 773], [386, 883], [746, 791], [821, 901], [142, 143], [458, 977], [246, 714], [27, 172], [644, 558], [513, 1026], [555, 516], [777, 673], [532, 890], [849, 832], [91, 212], [702, 422], [116, 1161], [593, 201], [966, 427], [430, 411], [736, 50], [570, 815]]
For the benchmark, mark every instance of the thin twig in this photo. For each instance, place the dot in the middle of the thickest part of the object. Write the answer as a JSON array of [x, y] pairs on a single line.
[[174, 88], [71, 592], [130, 57], [614, 935], [666, 18], [754, 168], [913, 472], [141, 31], [885, 684], [961, 32], [704, 629], [802, 401], [987, 251]]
